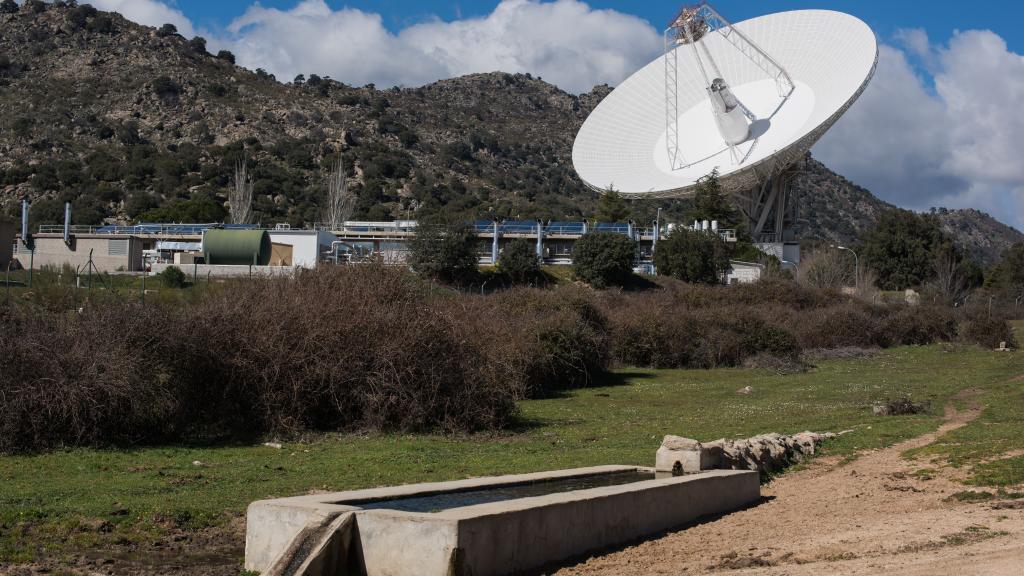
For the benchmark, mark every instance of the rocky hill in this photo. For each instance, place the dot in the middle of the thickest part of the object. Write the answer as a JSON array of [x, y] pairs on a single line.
[[131, 122]]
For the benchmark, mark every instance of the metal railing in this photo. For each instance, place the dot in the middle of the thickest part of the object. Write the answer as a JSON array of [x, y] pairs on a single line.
[[141, 229]]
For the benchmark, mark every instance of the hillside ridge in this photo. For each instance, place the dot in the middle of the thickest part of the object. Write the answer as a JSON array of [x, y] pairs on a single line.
[[122, 119]]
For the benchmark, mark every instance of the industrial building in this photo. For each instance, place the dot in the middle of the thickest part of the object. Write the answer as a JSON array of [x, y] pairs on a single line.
[[234, 250]]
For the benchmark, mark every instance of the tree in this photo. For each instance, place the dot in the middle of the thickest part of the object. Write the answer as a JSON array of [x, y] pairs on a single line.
[[603, 259], [901, 249], [519, 261], [444, 249], [1008, 274], [167, 30], [612, 207], [955, 275], [8, 7], [240, 196], [198, 45], [200, 208], [340, 201], [692, 256], [226, 55], [709, 204]]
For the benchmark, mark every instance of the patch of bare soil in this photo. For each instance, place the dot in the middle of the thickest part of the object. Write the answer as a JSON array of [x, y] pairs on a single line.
[[870, 516], [212, 552]]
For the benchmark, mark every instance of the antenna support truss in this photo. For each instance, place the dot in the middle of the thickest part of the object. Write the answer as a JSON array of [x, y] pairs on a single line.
[[690, 27]]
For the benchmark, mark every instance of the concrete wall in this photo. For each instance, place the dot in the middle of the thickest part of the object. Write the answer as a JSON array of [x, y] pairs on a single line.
[[743, 273], [519, 535], [501, 537], [204, 271], [50, 250]]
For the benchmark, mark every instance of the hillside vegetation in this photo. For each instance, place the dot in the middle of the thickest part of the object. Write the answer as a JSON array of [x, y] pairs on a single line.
[[131, 122]]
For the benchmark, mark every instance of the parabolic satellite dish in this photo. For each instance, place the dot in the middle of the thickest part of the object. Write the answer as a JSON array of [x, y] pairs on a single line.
[[745, 99]]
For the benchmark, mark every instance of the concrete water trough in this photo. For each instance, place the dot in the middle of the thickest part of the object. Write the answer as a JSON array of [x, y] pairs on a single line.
[[482, 526]]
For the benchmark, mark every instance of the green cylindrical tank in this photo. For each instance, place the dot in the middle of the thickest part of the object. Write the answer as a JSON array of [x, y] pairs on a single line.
[[242, 247]]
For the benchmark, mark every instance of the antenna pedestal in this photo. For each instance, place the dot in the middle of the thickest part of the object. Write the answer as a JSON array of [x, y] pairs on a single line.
[[771, 214]]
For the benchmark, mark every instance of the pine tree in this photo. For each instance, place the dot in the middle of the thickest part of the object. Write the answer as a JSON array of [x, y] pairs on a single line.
[[612, 207], [710, 204]]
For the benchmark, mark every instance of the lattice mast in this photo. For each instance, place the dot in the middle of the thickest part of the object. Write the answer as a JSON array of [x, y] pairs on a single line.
[[691, 27]]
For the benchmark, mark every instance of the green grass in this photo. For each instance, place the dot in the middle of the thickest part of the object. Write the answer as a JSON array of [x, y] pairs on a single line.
[[57, 502], [997, 431]]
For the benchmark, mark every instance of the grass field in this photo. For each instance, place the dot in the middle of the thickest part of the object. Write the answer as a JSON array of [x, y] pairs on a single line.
[[51, 503]]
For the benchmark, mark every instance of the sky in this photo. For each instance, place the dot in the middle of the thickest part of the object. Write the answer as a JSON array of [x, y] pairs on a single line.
[[937, 126]]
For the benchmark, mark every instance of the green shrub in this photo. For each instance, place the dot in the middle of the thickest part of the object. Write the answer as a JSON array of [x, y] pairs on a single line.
[[167, 30], [173, 277], [692, 256], [603, 259], [166, 89], [198, 45], [226, 56], [519, 261]]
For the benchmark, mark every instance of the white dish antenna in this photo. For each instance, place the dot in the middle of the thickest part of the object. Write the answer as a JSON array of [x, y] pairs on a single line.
[[746, 99]]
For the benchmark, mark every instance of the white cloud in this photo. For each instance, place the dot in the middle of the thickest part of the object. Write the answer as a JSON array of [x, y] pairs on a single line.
[[348, 44], [149, 12], [565, 42], [957, 145]]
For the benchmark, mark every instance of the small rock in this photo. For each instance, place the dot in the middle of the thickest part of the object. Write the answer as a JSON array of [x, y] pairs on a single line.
[[273, 445], [199, 464], [745, 390]]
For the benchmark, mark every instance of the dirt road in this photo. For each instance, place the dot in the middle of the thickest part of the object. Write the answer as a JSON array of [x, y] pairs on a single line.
[[869, 516]]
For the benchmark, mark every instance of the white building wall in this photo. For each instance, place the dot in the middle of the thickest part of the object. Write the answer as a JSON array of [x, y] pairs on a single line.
[[306, 244], [742, 273]]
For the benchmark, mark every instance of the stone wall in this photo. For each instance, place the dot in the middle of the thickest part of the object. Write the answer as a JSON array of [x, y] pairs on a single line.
[[765, 453]]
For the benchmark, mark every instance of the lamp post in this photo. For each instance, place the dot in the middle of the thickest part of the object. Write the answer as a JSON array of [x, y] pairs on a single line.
[[856, 265]]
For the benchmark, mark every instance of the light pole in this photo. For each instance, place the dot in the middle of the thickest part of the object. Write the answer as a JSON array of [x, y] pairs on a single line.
[[856, 266]]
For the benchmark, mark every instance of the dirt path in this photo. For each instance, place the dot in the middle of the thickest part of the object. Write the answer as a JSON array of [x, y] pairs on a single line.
[[866, 517]]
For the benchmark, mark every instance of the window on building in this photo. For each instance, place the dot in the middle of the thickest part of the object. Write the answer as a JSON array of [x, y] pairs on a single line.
[[118, 247]]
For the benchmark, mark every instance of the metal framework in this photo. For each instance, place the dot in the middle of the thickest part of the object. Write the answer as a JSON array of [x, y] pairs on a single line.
[[690, 27]]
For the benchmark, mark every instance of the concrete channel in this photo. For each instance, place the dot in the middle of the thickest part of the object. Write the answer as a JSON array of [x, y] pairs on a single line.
[[356, 532]]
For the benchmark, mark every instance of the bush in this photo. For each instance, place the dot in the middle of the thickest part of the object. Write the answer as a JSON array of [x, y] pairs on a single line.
[[173, 277], [444, 249], [603, 259], [226, 56], [198, 45], [981, 328], [167, 30], [87, 378], [8, 7], [257, 357], [540, 341], [166, 89], [519, 261], [692, 256]]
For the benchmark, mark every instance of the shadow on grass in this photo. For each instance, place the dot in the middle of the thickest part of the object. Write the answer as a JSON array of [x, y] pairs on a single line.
[[605, 380], [555, 566]]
